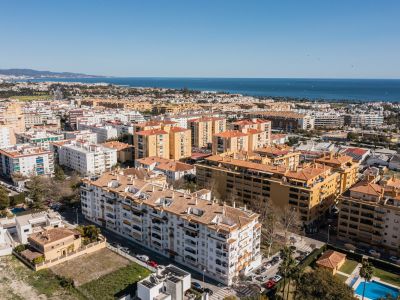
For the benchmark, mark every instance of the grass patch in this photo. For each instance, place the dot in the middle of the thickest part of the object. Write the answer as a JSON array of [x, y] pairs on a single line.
[[32, 98], [387, 276], [46, 282], [349, 266], [107, 286], [341, 277]]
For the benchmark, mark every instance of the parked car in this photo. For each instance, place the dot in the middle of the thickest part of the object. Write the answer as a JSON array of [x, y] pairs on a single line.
[[374, 253], [276, 278], [268, 266], [262, 278], [394, 259], [270, 284], [142, 257], [208, 291], [152, 263], [197, 286]]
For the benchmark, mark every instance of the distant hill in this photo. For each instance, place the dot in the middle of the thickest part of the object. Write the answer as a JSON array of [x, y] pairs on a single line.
[[29, 73]]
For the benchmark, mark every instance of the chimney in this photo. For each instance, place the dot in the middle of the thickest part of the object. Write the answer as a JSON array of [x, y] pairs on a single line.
[[234, 204]]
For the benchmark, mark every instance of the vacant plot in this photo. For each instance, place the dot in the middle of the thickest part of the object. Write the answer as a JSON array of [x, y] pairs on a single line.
[[115, 283], [19, 282], [32, 98], [349, 266], [91, 266]]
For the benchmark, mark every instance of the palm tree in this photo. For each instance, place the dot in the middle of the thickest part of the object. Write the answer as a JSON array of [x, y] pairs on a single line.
[[286, 267], [366, 272]]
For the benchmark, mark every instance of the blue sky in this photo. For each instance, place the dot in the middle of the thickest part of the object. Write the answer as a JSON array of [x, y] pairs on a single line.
[[204, 38]]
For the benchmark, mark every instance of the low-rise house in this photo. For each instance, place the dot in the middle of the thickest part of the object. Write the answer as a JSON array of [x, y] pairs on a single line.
[[394, 163], [170, 283], [331, 261], [55, 242], [358, 154]]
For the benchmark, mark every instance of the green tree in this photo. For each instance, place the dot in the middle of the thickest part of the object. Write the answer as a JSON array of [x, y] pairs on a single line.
[[366, 272], [58, 173], [4, 199], [286, 267], [321, 284], [90, 233]]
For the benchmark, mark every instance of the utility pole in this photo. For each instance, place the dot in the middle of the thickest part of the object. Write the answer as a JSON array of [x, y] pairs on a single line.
[[329, 229]]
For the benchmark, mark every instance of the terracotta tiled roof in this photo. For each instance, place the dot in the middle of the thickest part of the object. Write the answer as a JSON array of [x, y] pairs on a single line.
[[117, 145], [151, 132], [331, 259], [367, 188], [230, 134], [51, 235]]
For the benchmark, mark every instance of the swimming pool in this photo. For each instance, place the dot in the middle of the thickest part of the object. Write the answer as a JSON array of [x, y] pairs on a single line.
[[375, 290], [17, 210]]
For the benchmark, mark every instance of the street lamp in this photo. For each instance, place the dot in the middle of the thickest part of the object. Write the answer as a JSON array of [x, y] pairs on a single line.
[[203, 275]]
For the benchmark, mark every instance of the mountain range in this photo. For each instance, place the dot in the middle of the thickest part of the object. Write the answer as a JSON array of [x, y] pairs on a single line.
[[31, 74]]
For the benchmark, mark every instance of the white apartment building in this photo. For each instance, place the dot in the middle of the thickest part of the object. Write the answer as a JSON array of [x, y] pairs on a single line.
[[328, 120], [169, 283], [217, 239], [85, 158], [104, 132], [363, 120], [81, 135], [39, 138], [7, 136], [26, 160]]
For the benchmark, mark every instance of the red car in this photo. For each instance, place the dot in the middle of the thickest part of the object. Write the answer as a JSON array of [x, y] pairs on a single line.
[[152, 263], [270, 284]]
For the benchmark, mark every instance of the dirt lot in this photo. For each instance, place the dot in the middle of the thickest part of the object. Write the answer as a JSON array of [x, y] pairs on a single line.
[[18, 282], [91, 266]]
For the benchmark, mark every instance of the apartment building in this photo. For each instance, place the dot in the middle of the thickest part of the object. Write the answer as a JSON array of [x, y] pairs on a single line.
[[180, 143], [85, 158], [258, 131], [163, 139], [217, 239], [26, 160], [39, 138], [203, 129], [280, 155], [151, 142], [285, 120], [7, 136], [169, 283], [328, 120], [104, 132], [230, 141], [369, 215], [11, 114], [82, 135], [363, 120], [311, 188]]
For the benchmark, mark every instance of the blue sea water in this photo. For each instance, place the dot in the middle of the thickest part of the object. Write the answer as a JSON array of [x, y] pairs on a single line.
[[314, 89], [376, 290]]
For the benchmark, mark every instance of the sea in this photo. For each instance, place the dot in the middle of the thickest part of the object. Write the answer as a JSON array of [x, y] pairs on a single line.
[[358, 90]]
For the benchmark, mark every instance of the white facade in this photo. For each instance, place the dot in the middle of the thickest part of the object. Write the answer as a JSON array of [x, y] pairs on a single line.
[[104, 133], [84, 135], [26, 160], [36, 222], [169, 283], [202, 235], [7, 136], [87, 159]]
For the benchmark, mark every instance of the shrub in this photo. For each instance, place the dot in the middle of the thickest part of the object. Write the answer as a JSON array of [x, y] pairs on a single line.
[[38, 260], [66, 282], [20, 248]]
